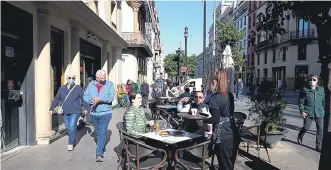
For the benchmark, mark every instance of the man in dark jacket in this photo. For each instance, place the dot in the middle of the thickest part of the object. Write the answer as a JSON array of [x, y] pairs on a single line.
[[311, 106], [145, 93]]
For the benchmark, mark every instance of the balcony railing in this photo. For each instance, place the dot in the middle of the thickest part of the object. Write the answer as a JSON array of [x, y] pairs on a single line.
[[303, 34], [137, 38], [266, 43]]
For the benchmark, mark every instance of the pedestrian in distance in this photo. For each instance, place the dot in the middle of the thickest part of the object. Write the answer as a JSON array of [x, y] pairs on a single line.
[[69, 102], [311, 106], [100, 94]]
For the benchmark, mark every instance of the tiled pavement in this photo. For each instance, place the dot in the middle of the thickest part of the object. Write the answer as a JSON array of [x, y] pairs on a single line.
[[56, 157]]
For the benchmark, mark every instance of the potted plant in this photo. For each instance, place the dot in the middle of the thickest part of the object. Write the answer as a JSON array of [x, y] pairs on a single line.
[[267, 109]]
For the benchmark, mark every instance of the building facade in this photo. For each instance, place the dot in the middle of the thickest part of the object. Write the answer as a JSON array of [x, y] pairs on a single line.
[[290, 57], [51, 40], [140, 30], [241, 24]]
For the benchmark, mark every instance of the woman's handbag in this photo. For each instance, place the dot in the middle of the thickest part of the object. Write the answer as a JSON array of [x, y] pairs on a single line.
[[58, 109]]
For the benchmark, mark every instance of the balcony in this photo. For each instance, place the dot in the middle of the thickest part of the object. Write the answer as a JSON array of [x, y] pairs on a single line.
[[140, 41], [266, 44], [303, 35]]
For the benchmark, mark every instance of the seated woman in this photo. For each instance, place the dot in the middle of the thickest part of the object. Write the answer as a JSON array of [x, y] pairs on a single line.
[[121, 94], [135, 120]]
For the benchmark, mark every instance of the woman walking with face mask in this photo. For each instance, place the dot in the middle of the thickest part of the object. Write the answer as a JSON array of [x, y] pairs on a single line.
[[69, 102]]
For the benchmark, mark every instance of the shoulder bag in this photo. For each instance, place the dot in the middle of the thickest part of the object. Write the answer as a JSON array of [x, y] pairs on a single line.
[[58, 109]]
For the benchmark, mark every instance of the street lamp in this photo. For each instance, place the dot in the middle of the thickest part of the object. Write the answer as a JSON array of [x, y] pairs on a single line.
[[185, 36], [178, 63]]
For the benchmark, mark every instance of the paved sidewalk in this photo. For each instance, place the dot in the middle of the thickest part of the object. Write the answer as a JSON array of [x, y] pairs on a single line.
[[56, 157]]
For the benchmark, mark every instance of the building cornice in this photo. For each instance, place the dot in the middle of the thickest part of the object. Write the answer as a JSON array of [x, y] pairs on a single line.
[[87, 18]]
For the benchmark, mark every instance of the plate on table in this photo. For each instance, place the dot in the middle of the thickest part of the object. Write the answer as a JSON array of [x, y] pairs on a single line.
[[164, 133], [177, 133]]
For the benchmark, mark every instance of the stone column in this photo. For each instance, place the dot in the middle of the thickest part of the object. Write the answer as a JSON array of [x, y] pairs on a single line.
[[136, 5], [118, 65], [43, 79], [75, 49]]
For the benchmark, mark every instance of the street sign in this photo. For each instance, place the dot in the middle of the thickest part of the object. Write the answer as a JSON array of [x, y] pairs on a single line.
[[184, 69]]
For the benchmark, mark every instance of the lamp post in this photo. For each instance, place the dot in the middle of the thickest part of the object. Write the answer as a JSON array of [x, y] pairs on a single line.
[[178, 63], [185, 36]]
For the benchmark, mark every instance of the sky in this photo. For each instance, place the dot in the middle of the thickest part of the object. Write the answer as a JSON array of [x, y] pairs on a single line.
[[174, 16]]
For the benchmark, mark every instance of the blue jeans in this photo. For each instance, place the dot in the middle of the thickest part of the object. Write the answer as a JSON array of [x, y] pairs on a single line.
[[238, 96], [70, 121], [100, 124]]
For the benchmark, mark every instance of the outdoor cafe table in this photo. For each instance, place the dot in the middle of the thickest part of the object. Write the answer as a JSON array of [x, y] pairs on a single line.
[[191, 117], [171, 142], [167, 106]]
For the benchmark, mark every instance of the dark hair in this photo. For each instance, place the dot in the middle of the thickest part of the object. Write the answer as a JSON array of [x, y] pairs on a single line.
[[221, 80], [132, 96], [187, 90]]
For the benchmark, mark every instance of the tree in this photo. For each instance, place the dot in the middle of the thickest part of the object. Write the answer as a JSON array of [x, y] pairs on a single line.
[[228, 35], [170, 64], [318, 13]]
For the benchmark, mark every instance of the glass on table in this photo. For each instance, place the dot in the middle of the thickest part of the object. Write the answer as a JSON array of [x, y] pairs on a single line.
[[157, 126]]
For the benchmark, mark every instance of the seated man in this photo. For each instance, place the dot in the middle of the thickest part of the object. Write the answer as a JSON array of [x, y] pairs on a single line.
[[184, 105]]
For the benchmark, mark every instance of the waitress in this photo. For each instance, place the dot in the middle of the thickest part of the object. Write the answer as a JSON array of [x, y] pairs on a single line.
[[225, 138]]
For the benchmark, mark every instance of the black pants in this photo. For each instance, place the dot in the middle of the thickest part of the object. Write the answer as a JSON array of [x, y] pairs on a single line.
[[319, 127], [226, 153]]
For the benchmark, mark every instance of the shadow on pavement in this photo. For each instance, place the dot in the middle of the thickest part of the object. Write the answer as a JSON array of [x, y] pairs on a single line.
[[81, 132], [256, 163], [109, 133], [297, 128], [291, 141]]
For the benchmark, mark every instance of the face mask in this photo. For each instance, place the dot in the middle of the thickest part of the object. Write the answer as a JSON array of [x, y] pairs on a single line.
[[312, 83], [71, 81], [102, 81]]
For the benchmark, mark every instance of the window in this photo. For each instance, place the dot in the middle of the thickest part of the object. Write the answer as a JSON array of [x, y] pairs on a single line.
[[284, 53], [249, 21], [250, 6], [265, 73], [273, 56], [244, 20], [241, 23], [258, 76], [265, 57], [254, 16], [302, 52], [258, 59], [302, 28]]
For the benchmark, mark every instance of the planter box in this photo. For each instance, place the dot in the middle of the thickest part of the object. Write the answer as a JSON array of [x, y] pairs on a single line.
[[272, 138]]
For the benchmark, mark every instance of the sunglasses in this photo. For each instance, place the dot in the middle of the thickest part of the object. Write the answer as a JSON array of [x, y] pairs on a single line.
[[313, 79], [200, 97], [71, 78]]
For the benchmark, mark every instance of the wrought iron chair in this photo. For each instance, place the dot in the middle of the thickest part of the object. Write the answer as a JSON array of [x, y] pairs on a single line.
[[121, 148], [143, 156], [251, 135], [194, 157]]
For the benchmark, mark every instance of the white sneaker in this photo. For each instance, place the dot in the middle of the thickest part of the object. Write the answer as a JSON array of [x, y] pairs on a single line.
[[70, 147]]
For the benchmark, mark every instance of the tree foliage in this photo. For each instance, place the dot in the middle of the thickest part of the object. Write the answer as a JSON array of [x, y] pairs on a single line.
[[227, 34], [170, 65]]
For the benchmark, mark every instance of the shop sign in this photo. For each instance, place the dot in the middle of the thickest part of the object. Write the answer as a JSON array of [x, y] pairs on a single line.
[[92, 37], [9, 51]]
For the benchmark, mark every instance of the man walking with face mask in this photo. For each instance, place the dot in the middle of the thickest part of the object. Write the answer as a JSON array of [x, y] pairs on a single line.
[[311, 106], [100, 95]]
